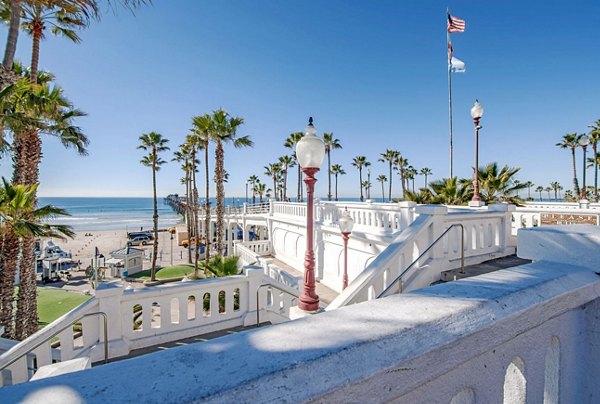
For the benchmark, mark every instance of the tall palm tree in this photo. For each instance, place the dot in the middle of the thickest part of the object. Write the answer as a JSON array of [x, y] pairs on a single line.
[[153, 143], [359, 162], [411, 173], [390, 156], [20, 218], [529, 184], [253, 180], [336, 170], [594, 139], [401, 166], [555, 186], [571, 141], [425, 171], [366, 186], [290, 143], [286, 162], [382, 178], [272, 171], [539, 189], [260, 189], [548, 189], [225, 131], [330, 144], [594, 161]]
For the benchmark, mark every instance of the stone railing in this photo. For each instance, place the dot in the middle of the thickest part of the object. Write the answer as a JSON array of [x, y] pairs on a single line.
[[557, 214], [289, 209], [524, 334], [139, 318], [486, 236], [251, 251]]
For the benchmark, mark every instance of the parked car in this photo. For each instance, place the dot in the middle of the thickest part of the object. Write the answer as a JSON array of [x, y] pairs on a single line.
[[135, 234], [139, 240]]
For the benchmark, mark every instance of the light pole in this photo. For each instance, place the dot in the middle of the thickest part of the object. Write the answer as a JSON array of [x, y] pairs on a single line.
[[310, 151], [476, 114], [247, 192], [584, 141], [369, 183], [171, 246], [345, 223]]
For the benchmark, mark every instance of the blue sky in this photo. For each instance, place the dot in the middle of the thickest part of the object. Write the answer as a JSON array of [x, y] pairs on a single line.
[[372, 72]]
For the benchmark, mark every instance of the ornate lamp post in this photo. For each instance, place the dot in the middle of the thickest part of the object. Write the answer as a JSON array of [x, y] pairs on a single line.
[[476, 114], [346, 223], [584, 141], [310, 151]]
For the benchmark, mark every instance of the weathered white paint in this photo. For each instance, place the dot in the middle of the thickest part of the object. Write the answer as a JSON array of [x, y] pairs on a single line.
[[448, 342]]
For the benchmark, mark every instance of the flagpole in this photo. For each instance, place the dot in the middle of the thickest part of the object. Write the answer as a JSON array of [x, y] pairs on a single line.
[[450, 100]]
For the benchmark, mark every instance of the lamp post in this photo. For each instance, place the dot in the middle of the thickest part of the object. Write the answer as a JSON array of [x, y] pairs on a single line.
[[345, 223], [247, 192], [310, 151], [369, 183], [584, 141], [476, 114]]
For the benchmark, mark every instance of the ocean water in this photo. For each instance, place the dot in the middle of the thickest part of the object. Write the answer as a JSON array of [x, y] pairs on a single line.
[[131, 214]]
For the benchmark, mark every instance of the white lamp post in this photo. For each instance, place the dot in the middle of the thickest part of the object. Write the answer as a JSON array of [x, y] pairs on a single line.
[[345, 223], [310, 151], [476, 114], [584, 141]]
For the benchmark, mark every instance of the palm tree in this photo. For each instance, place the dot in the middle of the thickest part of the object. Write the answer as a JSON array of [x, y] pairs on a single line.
[[225, 131], [360, 162], [593, 162], [366, 186], [529, 184], [19, 218], [401, 166], [290, 143], [260, 189], [183, 156], [285, 163], [540, 189], [594, 139], [411, 173], [272, 171], [253, 180], [153, 143], [330, 144], [497, 185], [336, 170], [390, 156], [517, 182], [571, 141], [426, 172], [548, 189], [569, 195], [555, 186], [382, 178], [449, 191]]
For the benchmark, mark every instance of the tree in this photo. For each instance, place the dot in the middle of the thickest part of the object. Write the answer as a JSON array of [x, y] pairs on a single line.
[[425, 171], [539, 189], [290, 143], [450, 191], [529, 184], [272, 171], [359, 162], [497, 184], [401, 166], [330, 144], [382, 178], [390, 157], [153, 143], [253, 180], [336, 170], [548, 189], [286, 162], [184, 155], [411, 173], [555, 186], [367, 186], [594, 139], [260, 189], [224, 131], [19, 218], [571, 141]]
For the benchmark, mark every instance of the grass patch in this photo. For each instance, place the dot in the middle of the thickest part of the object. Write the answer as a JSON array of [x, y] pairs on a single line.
[[176, 271], [53, 303]]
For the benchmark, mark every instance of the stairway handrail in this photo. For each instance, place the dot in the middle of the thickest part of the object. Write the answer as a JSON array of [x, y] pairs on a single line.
[[462, 257], [258, 298]]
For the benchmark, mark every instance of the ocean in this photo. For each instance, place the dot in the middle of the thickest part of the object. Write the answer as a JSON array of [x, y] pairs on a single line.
[[95, 214]]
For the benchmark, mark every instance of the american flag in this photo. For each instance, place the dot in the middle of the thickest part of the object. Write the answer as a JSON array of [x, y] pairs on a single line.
[[455, 24]]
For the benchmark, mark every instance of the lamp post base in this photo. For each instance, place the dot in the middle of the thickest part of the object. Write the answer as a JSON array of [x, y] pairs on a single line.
[[476, 204], [296, 312]]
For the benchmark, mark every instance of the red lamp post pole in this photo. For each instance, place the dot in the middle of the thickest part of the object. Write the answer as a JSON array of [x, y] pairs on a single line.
[[476, 196], [309, 301], [345, 237], [583, 190]]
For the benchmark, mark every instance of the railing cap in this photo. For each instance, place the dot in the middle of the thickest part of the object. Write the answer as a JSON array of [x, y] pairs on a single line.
[[431, 209]]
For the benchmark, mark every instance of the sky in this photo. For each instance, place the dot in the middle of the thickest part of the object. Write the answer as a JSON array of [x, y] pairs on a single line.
[[372, 72]]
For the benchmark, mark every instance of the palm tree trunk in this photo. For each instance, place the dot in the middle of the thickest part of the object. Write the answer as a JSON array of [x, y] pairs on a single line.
[[154, 218], [390, 188], [13, 34], [594, 148], [10, 254], [35, 51], [329, 174], [336, 187], [361, 187], [188, 212], [575, 183], [219, 173], [207, 209], [299, 199], [285, 184], [27, 300]]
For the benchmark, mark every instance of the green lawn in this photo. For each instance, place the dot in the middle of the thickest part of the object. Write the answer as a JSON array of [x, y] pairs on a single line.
[[53, 303], [176, 271]]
